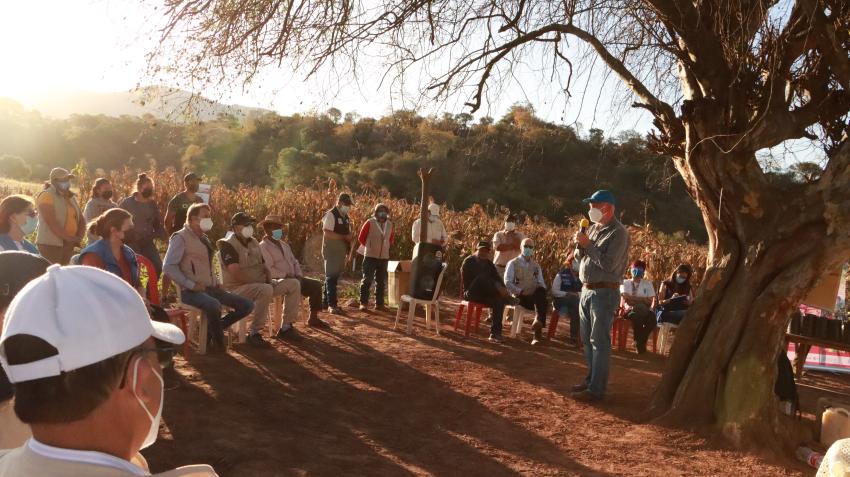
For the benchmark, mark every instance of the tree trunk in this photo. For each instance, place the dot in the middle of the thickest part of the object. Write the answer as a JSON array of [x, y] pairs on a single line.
[[765, 254]]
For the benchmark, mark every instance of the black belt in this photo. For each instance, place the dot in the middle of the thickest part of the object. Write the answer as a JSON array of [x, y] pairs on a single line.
[[596, 285]]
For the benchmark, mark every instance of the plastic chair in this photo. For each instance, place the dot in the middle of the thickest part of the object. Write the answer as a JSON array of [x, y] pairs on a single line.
[[275, 319], [621, 327], [553, 324], [431, 306], [241, 326], [665, 337], [518, 312], [152, 290], [473, 312]]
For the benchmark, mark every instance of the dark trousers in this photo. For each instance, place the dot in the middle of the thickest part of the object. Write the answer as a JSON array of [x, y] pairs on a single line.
[[374, 269], [147, 249], [312, 289], [210, 302], [674, 316], [643, 322], [485, 290], [538, 301], [567, 305]]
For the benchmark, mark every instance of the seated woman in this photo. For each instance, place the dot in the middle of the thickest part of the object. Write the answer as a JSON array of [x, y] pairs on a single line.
[[18, 219], [566, 288], [676, 296], [638, 297], [109, 252]]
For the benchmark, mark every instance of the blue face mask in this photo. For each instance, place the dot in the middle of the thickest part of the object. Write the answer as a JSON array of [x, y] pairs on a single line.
[[277, 234], [681, 280], [638, 272], [381, 215], [527, 252], [30, 225]]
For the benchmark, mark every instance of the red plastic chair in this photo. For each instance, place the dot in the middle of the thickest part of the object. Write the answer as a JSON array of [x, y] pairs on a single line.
[[553, 324], [153, 296], [621, 327], [473, 312]]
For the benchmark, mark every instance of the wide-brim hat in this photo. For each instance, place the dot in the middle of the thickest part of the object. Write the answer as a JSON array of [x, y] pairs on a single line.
[[271, 219]]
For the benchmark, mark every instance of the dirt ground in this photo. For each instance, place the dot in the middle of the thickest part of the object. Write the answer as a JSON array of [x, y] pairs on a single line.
[[363, 399]]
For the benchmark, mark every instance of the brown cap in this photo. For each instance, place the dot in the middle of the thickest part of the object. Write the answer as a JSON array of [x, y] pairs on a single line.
[[272, 219], [59, 173]]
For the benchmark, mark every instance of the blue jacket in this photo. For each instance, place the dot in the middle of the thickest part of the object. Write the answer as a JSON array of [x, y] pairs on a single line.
[[9, 245], [102, 250], [569, 281]]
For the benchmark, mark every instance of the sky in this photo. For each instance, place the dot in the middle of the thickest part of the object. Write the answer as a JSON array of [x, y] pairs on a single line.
[[100, 46]]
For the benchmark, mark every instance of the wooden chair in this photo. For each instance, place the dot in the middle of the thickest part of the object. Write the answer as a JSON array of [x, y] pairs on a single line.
[[432, 306]]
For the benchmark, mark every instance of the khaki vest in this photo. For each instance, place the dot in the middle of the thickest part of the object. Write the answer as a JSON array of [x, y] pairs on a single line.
[[377, 242], [196, 263], [526, 274], [251, 265], [45, 235]]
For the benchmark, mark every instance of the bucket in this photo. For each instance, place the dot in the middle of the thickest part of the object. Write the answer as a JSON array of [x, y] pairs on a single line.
[[835, 425]]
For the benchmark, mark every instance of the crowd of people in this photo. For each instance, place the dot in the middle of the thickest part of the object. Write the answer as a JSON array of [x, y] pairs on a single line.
[[75, 374]]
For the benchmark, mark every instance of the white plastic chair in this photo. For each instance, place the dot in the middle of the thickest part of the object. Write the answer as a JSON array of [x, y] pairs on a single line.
[[431, 306], [241, 326], [196, 324], [667, 331], [518, 313]]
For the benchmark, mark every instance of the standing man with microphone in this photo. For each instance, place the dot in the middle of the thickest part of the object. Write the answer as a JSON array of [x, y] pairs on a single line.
[[603, 254]]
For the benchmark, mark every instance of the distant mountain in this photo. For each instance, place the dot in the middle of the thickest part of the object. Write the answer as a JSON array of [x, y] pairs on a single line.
[[159, 101]]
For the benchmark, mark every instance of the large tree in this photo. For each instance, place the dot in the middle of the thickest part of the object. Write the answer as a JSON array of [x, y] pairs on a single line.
[[723, 79]]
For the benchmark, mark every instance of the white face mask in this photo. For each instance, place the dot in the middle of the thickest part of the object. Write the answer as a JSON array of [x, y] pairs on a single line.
[[153, 432], [509, 226], [595, 215], [206, 224], [247, 231], [29, 225], [343, 209]]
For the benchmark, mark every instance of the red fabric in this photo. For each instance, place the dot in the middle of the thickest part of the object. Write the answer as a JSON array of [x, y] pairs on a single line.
[[364, 233], [92, 260]]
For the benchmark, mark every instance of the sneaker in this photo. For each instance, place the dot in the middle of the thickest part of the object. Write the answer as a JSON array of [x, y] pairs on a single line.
[[495, 338], [586, 396], [538, 337], [579, 388], [284, 331], [317, 323], [256, 340], [335, 310], [363, 307]]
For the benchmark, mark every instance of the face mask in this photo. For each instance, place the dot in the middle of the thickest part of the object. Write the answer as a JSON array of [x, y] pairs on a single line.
[[595, 215], [107, 194], [681, 280], [147, 193], [381, 215], [576, 266], [527, 252], [206, 224], [343, 209], [30, 225], [509, 226], [247, 231], [153, 431], [63, 185], [277, 234], [638, 272]]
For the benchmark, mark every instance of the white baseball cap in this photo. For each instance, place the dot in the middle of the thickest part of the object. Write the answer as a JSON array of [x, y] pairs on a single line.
[[86, 313]]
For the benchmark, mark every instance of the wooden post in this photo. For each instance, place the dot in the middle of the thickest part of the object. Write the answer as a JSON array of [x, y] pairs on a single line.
[[425, 176]]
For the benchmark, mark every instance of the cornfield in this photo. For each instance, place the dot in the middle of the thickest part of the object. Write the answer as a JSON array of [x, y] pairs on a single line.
[[303, 208]]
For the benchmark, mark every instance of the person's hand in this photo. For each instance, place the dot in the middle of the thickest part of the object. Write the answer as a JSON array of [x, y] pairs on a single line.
[[581, 238]]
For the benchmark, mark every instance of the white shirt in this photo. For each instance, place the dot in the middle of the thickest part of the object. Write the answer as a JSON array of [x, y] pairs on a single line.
[[86, 457], [644, 290], [436, 230], [329, 221]]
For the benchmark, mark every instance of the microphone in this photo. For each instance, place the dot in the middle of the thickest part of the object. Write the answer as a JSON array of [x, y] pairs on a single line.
[[584, 224]]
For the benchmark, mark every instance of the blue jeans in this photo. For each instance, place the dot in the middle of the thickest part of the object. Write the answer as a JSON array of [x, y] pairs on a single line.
[[210, 302], [568, 306], [597, 308], [374, 269]]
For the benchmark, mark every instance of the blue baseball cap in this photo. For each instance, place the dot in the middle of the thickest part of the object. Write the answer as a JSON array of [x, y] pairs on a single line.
[[601, 196]]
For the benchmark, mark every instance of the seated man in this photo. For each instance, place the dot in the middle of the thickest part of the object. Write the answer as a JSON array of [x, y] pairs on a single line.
[[245, 274], [566, 288], [281, 263], [188, 262], [524, 279], [82, 353], [482, 284], [639, 295]]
